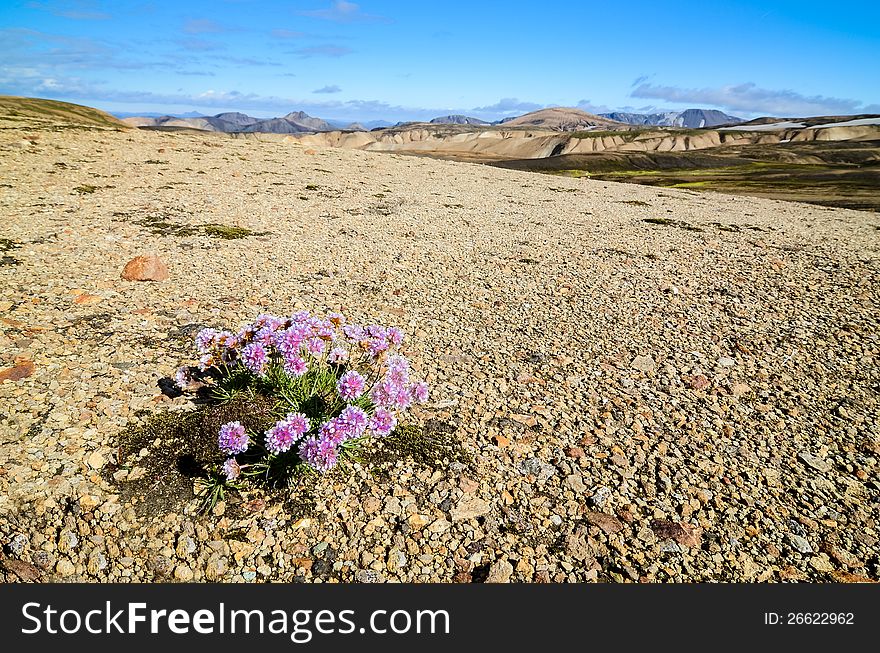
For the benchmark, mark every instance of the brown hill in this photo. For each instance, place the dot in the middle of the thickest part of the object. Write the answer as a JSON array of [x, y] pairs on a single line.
[[55, 112], [563, 119]]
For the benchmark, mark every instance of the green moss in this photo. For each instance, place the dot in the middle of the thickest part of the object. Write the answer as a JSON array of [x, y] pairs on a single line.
[[227, 232], [162, 225], [85, 189], [575, 174], [175, 448], [433, 446], [668, 222]]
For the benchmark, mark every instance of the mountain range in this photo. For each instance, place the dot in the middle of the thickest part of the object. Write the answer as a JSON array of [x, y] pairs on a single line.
[[554, 118]]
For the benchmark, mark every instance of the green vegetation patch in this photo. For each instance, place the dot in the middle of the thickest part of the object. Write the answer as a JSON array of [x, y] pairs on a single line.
[[161, 457], [669, 222], [164, 225], [85, 189], [431, 446], [227, 232]]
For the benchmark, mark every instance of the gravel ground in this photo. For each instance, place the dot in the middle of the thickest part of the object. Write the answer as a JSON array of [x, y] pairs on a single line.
[[688, 398]]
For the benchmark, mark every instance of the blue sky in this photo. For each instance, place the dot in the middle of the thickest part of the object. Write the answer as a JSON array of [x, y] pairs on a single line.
[[411, 60]]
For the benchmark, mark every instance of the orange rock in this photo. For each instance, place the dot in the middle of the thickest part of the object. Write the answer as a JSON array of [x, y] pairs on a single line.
[[846, 577], [683, 533], [87, 298], [17, 372], [145, 268]]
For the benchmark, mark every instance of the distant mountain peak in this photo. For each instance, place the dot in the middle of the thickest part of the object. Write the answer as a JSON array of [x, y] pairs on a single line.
[[689, 118], [458, 119]]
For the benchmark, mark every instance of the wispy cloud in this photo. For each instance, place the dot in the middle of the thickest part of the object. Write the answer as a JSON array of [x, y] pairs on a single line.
[[248, 61], [202, 26], [508, 105], [72, 9], [343, 12], [200, 45], [589, 107], [751, 99], [328, 89], [323, 51], [287, 34]]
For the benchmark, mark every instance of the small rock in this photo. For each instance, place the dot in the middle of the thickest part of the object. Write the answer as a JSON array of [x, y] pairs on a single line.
[[799, 544], [500, 572], [396, 560], [417, 521], [185, 546], [368, 576], [600, 496], [726, 361], [214, 569], [538, 468], [469, 507], [97, 563], [501, 441], [145, 268], [67, 541], [575, 483], [574, 452], [644, 364], [740, 389], [821, 563], [65, 568], [25, 571], [96, 461], [439, 526], [682, 533], [320, 547], [22, 370], [371, 505], [815, 462], [608, 523], [699, 382], [183, 573], [18, 544]]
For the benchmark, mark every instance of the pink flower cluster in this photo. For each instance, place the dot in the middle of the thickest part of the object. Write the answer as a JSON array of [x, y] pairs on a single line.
[[371, 379], [294, 342]]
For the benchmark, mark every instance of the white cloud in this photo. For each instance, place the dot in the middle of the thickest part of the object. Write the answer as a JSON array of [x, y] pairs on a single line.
[[341, 11], [751, 99], [323, 51], [507, 106]]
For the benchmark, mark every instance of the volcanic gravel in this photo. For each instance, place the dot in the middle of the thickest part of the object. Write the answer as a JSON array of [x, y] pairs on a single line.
[[646, 384]]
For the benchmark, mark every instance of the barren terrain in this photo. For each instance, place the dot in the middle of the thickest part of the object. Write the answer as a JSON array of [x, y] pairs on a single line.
[[628, 383]]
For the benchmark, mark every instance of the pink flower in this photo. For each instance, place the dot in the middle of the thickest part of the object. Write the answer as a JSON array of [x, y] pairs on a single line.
[[382, 422], [233, 438], [350, 386], [420, 392]]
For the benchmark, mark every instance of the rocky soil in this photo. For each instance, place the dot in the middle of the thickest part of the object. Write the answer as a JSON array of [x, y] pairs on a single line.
[[647, 384]]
